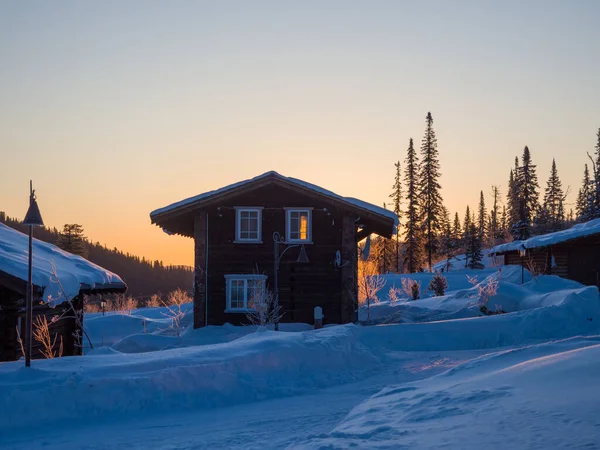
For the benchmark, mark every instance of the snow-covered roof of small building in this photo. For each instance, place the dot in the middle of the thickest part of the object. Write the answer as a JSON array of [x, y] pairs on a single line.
[[74, 272], [545, 240], [303, 184]]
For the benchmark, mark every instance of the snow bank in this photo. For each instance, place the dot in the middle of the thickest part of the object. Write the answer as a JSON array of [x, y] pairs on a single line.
[[74, 272], [257, 366], [489, 261], [577, 231], [543, 396], [511, 296]]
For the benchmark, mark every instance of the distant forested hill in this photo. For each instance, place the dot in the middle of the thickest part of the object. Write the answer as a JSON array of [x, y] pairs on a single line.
[[143, 277]]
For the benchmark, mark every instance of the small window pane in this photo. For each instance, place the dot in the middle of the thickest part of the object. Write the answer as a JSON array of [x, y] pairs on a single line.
[[299, 225], [249, 225], [237, 294]]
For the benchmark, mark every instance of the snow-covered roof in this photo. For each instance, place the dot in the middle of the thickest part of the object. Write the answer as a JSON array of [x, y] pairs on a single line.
[[74, 272], [303, 184], [578, 231]]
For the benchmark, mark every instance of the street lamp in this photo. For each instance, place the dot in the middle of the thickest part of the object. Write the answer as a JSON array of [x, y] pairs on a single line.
[[33, 218], [102, 305], [302, 258], [522, 251]]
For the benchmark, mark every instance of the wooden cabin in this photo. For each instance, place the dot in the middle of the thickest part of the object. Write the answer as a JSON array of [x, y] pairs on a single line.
[[64, 301], [573, 253], [234, 230]]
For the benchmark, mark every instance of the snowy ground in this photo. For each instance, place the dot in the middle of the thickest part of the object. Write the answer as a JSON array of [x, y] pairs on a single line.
[[526, 379]]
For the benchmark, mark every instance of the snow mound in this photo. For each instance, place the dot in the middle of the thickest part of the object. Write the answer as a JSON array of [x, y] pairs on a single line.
[[74, 272], [255, 367], [543, 396]]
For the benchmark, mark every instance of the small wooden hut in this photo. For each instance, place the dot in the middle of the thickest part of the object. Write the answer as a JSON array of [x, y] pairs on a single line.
[[573, 253], [60, 280]]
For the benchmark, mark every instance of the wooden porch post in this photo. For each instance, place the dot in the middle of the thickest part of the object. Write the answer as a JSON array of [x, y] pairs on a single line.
[[200, 249], [349, 310]]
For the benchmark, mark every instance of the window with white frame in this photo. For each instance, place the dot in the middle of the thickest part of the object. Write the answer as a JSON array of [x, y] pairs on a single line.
[[299, 225], [243, 291], [248, 225]]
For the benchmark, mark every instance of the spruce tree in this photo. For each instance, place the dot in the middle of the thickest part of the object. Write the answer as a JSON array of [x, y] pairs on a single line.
[[412, 244], [396, 197], [553, 200], [429, 187], [512, 197], [583, 205], [466, 230], [456, 228], [595, 206], [481, 217], [473, 253], [503, 224], [527, 191], [494, 225], [72, 239]]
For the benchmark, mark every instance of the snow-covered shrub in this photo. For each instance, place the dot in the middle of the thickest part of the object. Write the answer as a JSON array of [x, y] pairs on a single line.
[[154, 301], [438, 284], [122, 304], [485, 291], [174, 311], [262, 309], [411, 288], [394, 294]]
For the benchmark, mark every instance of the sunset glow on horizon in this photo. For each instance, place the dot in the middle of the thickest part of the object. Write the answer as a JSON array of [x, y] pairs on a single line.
[[117, 108]]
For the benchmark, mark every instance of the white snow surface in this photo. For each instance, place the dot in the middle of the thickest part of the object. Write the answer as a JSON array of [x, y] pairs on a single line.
[[74, 272], [349, 200], [522, 380], [577, 231]]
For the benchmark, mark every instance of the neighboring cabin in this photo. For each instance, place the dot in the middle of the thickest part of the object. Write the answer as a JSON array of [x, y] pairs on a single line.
[[233, 229], [573, 253], [77, 277]]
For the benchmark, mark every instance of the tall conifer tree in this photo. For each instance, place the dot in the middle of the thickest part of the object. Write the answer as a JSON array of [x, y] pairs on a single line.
[[553, 200], [412, 243], [481, 217], [429, 187], [396, 197]]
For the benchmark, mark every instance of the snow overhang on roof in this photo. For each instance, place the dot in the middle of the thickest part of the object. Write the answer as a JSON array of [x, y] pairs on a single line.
[[545, 240], [74, 272], [350, 202]]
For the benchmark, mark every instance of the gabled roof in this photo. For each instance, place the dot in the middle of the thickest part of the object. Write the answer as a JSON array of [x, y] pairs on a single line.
[[74, 272], [578, 231], [197, 201]]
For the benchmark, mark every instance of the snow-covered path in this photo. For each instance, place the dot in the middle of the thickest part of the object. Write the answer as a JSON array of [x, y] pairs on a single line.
[[270, 424]]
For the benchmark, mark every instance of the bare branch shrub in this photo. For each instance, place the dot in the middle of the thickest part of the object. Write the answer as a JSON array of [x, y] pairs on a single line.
[[124, 304], [174, 309], [154, 301], [91, 307], [261, 307], [394, 294], [41, 333], [485, 291], [20, 341]]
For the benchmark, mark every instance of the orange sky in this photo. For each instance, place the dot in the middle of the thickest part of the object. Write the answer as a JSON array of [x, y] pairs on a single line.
[[115, 110]]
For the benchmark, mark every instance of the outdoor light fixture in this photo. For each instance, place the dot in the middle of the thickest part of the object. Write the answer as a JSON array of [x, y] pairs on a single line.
[[302, 258], [33, 218], [102, 305], [522, 252]]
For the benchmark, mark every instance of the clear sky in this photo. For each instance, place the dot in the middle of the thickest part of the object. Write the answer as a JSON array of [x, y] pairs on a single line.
[[116, 108]]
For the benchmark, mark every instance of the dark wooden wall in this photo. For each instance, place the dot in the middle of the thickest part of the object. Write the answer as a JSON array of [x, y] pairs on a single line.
[[301, 286], [577, 260], [12, 310]]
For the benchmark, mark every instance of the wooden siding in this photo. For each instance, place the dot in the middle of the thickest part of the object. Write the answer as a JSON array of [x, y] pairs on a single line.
[[578, 260], [301, 286]]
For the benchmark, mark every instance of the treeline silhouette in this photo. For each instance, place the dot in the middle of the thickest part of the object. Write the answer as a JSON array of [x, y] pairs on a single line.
[[142, 276]]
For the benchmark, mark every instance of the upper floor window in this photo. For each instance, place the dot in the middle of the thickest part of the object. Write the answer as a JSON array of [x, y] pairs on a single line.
[[248, 227], [299, 225]]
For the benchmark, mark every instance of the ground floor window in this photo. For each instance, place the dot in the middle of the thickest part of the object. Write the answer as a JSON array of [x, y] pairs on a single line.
[[243, 291]]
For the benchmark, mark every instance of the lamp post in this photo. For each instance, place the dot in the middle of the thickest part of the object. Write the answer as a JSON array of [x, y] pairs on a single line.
[[302, 258], [102, 305], [33, 218], [522, 255]]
